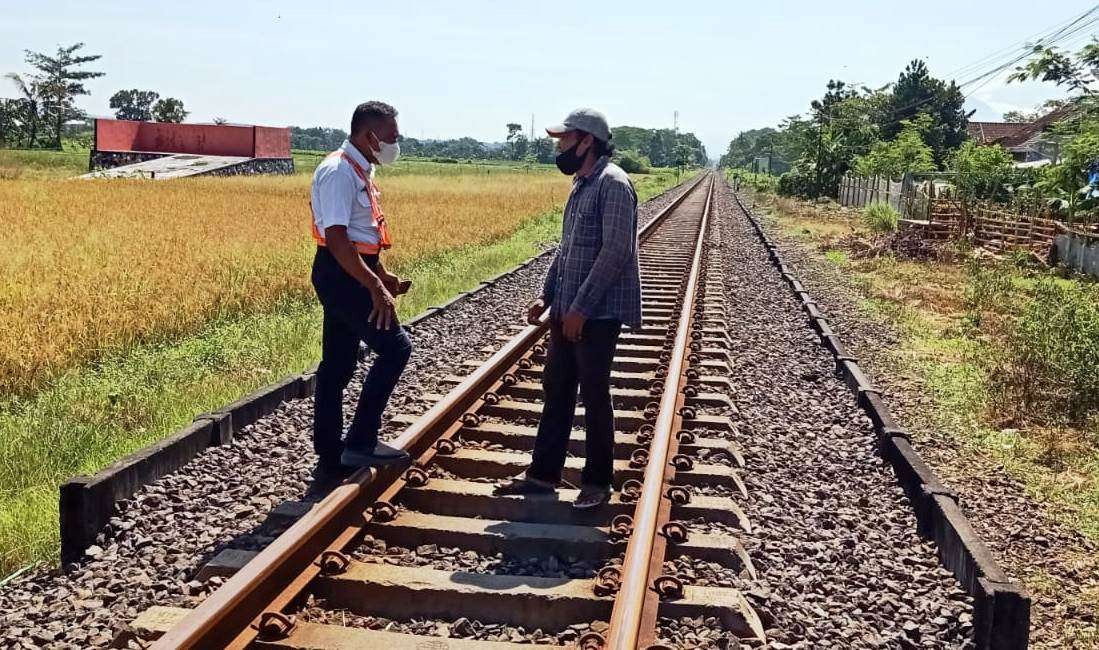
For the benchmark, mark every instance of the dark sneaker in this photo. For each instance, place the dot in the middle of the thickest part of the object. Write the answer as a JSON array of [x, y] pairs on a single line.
[[591, 497], [523, 485], [382, 455]]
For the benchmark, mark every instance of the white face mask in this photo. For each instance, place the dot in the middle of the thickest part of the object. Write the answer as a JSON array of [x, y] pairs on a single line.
[[388, 152]]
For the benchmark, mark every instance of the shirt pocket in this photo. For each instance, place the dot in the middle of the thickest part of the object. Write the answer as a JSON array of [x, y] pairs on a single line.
[[362, 197], [588, 231]]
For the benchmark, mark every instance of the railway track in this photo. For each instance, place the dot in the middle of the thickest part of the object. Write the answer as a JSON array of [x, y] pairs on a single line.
[[486, 567]]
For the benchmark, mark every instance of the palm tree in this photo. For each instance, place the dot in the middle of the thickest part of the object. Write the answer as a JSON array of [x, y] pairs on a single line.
[[31, 99]]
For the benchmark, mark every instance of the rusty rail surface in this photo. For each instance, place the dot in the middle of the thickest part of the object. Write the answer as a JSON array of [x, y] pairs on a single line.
[[251, 603], [636, 590]]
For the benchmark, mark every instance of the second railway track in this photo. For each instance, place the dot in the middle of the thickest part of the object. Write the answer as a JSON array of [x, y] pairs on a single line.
[[432, 550]]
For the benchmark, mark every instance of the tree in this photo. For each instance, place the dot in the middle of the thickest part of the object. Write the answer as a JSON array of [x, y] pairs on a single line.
[[60, 82], [1051, 64], [27, 112], [632, 162], [907, 153], [656, 151], [541, 149], [916, 92], [169, 109], [981, 170], [517, 141], [134, 104]]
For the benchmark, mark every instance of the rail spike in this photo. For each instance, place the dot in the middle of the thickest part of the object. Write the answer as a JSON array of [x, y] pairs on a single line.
[[383, 511], [416, 476], [683, 462], [675, 532], [607, 581], [621, 526], [276, 625], [333, 562], [639, 458], [668, 587], [446, 446], [631, 491], [591, 641]]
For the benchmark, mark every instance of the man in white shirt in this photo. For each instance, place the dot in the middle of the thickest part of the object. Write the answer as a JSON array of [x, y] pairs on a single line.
[[357, 294]]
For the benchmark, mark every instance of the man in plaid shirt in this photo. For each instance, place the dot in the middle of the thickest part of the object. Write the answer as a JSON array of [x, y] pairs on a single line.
[[592, 288]]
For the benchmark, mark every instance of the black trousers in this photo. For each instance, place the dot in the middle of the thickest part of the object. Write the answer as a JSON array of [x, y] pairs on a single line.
[[587, 364], [347, 304]]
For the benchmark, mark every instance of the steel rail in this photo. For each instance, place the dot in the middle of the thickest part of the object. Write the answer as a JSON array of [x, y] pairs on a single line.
[[228, 617], [629, 605]]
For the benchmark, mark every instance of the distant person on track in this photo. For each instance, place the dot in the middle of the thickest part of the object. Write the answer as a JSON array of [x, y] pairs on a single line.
[[357, 294], [592, 288]]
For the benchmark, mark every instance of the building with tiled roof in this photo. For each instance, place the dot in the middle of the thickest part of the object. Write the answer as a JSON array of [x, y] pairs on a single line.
[[1026, 141]]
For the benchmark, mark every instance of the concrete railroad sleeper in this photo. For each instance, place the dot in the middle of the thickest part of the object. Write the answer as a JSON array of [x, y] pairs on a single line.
[[1001, 607], [663, 380]]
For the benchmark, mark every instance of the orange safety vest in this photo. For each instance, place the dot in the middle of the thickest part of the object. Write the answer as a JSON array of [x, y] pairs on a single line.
[[376, 214]]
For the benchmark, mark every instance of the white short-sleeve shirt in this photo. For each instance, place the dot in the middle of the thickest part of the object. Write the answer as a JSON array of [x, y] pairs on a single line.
[[340, 197]]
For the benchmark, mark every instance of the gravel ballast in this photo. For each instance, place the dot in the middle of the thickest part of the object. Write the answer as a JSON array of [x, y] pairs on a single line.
[[835, 541]]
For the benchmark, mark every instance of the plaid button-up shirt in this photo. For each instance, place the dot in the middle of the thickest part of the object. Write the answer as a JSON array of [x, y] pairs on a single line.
[[595, 271]]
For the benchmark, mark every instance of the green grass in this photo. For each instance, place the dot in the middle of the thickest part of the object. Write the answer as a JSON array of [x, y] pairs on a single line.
[[42, 163], [837, 257], [95, 414]]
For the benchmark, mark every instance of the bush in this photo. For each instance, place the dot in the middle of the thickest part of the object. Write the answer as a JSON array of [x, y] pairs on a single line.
[[765, 183], [880, 217], [1049, 366], [633, 162], [796, 182]]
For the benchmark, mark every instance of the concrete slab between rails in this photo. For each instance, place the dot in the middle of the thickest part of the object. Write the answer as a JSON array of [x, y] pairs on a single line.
[[633, 397], [519, 437], [483, 463], [225, 563], [459, 498], [532, 411], [149, 625], [316, 636], [534, 602], [620, 379], [396, 592], [525, 539]]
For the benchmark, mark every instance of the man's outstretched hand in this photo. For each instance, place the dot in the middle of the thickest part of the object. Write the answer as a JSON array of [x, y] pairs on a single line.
[[534, 311]]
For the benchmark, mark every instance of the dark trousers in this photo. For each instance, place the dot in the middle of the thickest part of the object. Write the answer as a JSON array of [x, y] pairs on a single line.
[[346, 306], [587, 364]]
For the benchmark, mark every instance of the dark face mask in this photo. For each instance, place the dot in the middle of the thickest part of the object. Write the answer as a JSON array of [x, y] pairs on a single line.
[[568, 161]]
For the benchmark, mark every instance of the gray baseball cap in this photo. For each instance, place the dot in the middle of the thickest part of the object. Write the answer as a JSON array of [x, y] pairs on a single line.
[[588, 120]]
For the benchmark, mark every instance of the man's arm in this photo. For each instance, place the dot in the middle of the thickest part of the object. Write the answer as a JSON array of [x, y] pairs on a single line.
[[619, 235], [384, 312]]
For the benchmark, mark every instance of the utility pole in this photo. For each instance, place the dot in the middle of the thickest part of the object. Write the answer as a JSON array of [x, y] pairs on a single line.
[[532, 127], [820, 150]]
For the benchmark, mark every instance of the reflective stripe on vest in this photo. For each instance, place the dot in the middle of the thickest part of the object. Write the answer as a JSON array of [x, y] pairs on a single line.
[[376, 215]]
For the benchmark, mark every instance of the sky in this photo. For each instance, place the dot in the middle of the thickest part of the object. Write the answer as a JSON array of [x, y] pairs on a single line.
[[468, 68]]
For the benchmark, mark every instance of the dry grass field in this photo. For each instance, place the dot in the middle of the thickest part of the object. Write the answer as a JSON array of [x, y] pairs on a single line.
[[89, 267]]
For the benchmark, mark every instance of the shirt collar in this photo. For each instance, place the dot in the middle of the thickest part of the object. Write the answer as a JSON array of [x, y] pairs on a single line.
[[600, 165], [356, 155]]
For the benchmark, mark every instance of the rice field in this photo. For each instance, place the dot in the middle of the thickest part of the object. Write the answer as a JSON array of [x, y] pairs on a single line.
[[91, 267]]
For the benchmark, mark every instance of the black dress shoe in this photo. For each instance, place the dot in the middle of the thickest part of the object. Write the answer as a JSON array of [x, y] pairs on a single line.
[[381, 455]]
